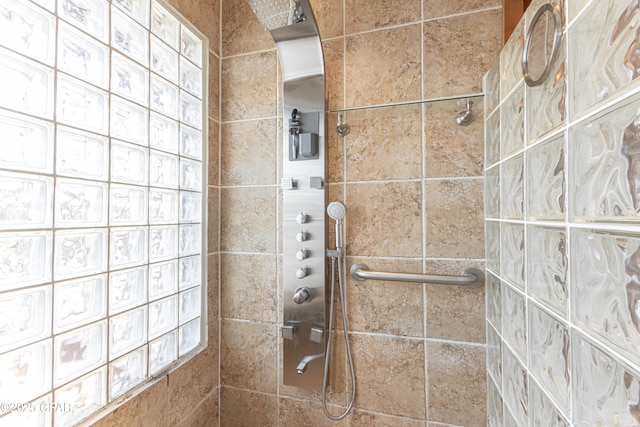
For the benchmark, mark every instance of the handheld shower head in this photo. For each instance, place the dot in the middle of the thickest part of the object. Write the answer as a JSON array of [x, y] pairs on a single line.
[[336, 211]]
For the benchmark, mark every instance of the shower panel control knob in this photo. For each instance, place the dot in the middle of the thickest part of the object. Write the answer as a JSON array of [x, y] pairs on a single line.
[[302, 236], [302, 218], [302, 295], [301, 273], [302, 254]]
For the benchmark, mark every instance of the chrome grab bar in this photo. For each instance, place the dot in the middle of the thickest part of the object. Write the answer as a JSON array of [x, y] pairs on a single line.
[[471, 277]]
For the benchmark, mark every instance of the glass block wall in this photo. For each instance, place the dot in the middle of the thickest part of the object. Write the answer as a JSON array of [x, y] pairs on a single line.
[[563, 225], [101, 202]]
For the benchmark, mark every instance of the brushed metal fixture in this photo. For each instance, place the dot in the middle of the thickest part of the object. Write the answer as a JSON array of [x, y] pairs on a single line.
[[293, 28], [537, 67], [342, 129], [302, 366], [471, 277], [465, 117]]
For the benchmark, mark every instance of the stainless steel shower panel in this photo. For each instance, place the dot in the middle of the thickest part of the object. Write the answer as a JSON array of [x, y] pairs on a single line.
[[303, 188]]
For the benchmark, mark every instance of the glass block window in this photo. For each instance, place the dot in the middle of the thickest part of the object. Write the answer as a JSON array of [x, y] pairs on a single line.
[[102, 160]]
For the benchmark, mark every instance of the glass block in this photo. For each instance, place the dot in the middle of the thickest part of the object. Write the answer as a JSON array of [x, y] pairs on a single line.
[[605, 390], [492, 139], [510, 57], [80, 253], [604, 160], [162, 352], [492, 246], [86, 395], [25, 317], [81, 203], [26, 372], [189, 336], [190, 78], [35, 418], [512, 188], [164, 60], [515, 390], [494, 405], [25, 259], [190, 304], [494, 301], [543, 412], [163, 206], [164, 97], [78, 302], [126, 119], [514, 321], [546, 106], [129, 163], [190, 46], [492, 193], [82, 56], [28, 30], [190, 271], [163, 316], [600, 69], [163, 279], [549, 341], [127, 372], [494, 356], [127, 331], [491, 86], [165, 25], [25, 136], [129, 79], [77, 352], [50, 5], [137, 9], [163, 170], [26, 86], [547, 267], [605, 290], [546, 195], [190, 237], [91, 16], [81, 105], [129, 37], [163, 133], [163, 243], [190, 206], [190, 175], [512, 253], [190, 110], [25, 201], [190, 142], [127, 289], [81, 154], [512, 123], [128, 247], [128, 205]]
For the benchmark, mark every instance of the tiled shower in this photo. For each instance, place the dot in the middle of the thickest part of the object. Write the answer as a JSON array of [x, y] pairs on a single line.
[[561, 230], [561, 317]]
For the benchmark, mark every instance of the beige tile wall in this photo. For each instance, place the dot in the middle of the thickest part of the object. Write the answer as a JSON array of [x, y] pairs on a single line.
[[412, 183], [189, 396]]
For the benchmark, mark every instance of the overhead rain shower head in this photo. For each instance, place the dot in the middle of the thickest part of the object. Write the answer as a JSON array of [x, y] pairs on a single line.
[[274, 14], [336, 211], [465, 117]]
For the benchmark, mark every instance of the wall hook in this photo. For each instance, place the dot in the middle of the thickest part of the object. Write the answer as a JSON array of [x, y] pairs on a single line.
[[342, 129]]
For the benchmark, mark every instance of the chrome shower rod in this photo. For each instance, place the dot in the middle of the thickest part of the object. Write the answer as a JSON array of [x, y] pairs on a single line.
[[471, 277]]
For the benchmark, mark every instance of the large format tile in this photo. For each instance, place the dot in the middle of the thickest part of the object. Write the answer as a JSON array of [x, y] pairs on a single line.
[[457, 384], [472, 40], [390, 374], [396, 75]]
